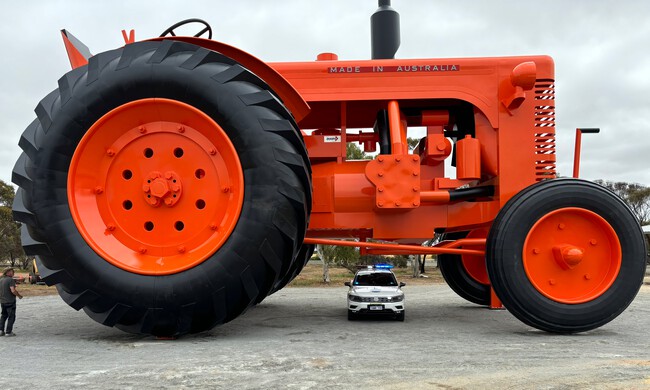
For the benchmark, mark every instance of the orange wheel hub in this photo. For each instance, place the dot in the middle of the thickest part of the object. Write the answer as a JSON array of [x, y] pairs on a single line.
[[572, 255], [475, 265], [155, 187]]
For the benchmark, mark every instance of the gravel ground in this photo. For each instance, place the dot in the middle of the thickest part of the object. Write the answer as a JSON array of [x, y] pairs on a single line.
[[300, 338]]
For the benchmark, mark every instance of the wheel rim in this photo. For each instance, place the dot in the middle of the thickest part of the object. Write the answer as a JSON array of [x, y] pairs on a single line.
[[572, 255], [475, 265], [155, 187]]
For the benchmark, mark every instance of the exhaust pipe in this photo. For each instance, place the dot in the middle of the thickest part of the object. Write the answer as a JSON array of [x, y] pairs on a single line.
[[384, 31]]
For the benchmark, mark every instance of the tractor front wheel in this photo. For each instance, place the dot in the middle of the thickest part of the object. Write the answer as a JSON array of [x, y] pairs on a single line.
[[566, 256]]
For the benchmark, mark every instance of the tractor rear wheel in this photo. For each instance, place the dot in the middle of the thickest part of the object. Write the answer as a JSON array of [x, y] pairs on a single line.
[[566, 256], [163, 187], [466, 275], [306, 251]]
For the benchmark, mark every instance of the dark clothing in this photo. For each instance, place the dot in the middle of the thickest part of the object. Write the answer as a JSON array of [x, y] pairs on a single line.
[[6, 296], [8, 313]]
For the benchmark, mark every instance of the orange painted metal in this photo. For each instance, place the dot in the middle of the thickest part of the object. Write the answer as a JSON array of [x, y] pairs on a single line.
[[475, 265], [155, 186], [468, 158], [510, 148], [572, 255], [75, 56], [130, 38], [397, 180], [400, 248], [291, 98], [578, 145]]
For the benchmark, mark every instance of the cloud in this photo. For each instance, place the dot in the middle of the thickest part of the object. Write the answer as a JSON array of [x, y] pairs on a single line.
[[602, 65]]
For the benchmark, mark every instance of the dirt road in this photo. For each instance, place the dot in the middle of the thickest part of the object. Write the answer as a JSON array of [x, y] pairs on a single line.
[[300, 338]]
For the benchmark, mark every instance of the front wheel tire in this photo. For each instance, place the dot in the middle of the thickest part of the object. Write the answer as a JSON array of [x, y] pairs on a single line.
[[566, 256]]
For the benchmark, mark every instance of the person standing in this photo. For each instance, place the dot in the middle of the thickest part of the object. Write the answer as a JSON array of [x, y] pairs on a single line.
[[8, 294]]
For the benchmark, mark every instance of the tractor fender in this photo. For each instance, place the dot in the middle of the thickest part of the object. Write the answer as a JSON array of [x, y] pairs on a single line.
[[290, 97]]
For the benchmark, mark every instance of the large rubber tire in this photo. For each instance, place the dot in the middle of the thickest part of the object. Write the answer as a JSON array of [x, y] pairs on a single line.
[[305, 253], [258, 253], [585, 210], [458, 279]]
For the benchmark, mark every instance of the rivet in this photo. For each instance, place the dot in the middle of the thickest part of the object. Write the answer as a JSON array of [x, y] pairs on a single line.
[[380, 159], [416, 204], [380, 174], [99, 190], [415, 158], [593, 241], [142, 250], [213, 151], [110, 152], [142, 129], [416, 189], [380, 204], [536, 251], [415, 173], [110, 227], [214, 226], [398, 159], [181, 249], [397, 204], [225, 190], [561, 226], [380, 189], [181, 129], [551, 282], [587, 277]]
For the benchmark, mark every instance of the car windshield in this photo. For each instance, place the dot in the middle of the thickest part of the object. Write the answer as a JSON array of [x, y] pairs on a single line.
[[375, 279]]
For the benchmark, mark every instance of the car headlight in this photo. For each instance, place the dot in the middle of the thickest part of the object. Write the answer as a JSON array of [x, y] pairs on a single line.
[[397, 298], [354, 298]]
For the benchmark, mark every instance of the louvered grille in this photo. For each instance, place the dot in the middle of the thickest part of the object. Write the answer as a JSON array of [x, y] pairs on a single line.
[[545, 129]]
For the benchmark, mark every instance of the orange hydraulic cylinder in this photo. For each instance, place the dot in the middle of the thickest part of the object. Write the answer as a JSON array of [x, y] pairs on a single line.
[[342, 187]]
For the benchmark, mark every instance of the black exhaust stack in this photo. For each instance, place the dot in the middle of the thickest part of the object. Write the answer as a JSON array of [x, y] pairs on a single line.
[[384, 31]]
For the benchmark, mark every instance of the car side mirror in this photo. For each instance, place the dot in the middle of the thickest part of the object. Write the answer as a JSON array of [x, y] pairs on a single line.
[[402, 284], [348, 284]]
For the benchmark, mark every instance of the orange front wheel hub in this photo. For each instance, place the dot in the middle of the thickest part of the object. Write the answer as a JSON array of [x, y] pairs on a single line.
[[572, 255], [155, 186]]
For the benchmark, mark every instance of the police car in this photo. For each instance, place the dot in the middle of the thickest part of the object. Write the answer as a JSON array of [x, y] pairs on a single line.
[[374, 290]]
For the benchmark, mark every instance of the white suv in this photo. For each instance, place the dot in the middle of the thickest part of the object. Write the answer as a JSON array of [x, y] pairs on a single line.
[[374, 290]]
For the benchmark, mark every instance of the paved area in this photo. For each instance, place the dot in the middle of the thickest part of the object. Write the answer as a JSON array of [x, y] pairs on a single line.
[[300, 338]]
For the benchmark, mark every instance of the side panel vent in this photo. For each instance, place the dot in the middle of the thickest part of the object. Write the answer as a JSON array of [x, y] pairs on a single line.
[[545, 129]]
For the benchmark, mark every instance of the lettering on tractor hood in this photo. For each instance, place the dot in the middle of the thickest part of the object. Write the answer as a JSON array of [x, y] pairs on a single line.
[[395, 68]]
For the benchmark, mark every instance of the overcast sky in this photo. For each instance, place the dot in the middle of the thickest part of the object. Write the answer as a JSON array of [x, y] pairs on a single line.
[[601, 51]]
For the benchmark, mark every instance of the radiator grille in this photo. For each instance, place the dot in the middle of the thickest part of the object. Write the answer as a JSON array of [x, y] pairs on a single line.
[[545, 129]]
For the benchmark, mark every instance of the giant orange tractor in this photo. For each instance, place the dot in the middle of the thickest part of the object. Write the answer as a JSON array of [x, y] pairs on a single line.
[[168, 185]]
